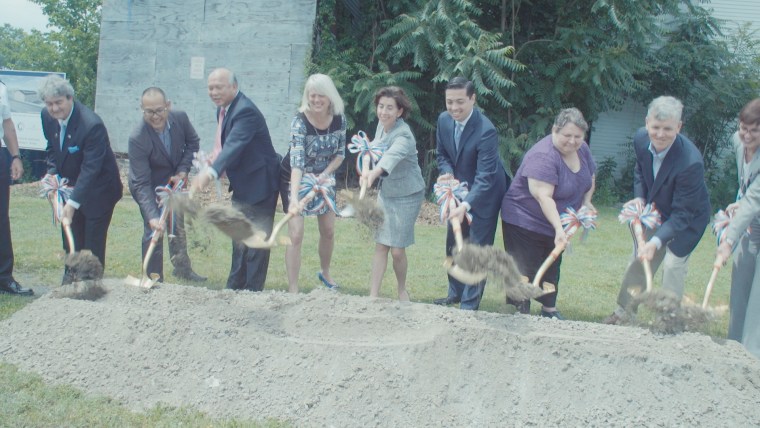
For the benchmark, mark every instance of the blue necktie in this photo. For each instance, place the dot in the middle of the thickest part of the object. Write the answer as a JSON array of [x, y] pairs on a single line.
[[457, 134], [63, 135]]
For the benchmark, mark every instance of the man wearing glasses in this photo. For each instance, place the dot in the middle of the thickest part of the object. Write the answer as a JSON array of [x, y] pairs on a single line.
[[161, 152]]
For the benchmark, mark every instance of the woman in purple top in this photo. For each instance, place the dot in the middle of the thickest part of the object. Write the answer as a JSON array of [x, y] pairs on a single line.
[[556, 173]]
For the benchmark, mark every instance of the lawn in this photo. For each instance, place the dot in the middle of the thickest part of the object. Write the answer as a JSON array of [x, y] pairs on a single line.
[[591, 274]]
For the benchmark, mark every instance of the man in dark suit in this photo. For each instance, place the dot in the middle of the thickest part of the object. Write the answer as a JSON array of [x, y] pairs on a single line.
[[161, 152], [244, 151], [79, 150], [9, 170], [669, 173], [468, 150]]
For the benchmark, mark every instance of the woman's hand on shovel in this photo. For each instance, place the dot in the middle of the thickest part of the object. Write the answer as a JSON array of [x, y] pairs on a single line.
[[155, 224], [724, 252]]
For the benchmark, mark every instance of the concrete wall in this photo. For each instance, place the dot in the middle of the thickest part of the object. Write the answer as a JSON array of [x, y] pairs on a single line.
[[174, 44]]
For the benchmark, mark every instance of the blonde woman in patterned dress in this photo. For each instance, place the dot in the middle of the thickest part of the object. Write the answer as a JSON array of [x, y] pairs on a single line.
[[317, 146]]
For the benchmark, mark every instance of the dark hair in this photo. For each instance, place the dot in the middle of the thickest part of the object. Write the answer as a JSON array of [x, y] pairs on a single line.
[[398, 95], [750, 114], [460, 82], [154, 90]]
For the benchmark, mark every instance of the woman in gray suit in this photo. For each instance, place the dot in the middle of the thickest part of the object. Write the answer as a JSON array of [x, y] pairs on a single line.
[[744, 310], [401, 190]]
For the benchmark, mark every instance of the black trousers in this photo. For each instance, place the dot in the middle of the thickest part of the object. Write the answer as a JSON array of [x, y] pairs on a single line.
[[175, 233], [530, 249], [248, 270], [90, 233], [6, 246]]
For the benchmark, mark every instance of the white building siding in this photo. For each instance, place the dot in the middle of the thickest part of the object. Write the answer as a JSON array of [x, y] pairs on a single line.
[[612, 130]]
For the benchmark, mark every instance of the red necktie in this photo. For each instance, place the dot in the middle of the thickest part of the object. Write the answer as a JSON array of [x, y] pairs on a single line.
[[218, 140]]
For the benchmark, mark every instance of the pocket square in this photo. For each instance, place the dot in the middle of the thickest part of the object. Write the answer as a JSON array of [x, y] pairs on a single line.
[[73, 149]]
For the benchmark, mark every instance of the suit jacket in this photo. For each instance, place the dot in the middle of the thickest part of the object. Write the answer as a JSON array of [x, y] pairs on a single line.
[[402, 174], [86, 160], [247, 155], [679, 192], [477, 161], [150, 165], [749, 204]]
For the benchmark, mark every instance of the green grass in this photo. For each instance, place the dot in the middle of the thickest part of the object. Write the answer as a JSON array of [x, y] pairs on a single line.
[[590, 280]]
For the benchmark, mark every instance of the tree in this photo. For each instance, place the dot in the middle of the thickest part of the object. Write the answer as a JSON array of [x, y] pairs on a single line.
[[22, 51], [77, 38]]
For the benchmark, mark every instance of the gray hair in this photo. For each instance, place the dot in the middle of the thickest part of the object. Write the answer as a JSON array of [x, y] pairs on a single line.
[[55, 86], [570, 115], [231, 77], [322, 84], [664, 108]]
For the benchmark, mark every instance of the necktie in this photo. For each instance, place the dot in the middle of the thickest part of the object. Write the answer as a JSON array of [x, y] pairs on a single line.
[[457, 134], [62, 136], [218, 140], [167, 140]]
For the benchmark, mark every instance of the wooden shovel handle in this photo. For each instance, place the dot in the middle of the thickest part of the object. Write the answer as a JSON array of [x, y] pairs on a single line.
[[365, 171], [66, 224], [708, 291], [553, 256]]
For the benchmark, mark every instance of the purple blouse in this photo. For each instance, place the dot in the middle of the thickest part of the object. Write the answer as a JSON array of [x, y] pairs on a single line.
[[543, 162]]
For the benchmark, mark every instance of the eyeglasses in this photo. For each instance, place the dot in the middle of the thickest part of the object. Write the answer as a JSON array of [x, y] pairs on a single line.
[[156, 112]]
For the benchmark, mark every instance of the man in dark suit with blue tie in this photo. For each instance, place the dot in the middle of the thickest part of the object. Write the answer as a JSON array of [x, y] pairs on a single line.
[[245, 153], [670, 173], [468, 150], [161, 152], [78, 149]]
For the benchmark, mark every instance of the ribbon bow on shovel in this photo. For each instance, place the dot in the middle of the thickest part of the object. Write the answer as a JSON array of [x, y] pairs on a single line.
[[638, 216], [721, 221], [164, 195], [57, 191], [572, 221], [449, 195]]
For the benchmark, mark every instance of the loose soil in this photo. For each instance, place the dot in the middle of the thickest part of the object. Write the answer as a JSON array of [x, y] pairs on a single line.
[[328, 359]]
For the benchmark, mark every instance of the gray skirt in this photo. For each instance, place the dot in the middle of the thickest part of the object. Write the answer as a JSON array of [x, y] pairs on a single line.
[[400, 215]]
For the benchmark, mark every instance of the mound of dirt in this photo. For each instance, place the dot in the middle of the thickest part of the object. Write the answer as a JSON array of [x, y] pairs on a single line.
[[327, 359]]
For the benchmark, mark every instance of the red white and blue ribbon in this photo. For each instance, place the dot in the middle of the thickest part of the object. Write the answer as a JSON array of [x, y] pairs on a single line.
[[646, 215], [325, 193], [448, 191], [360, 145], [721, 221], [720, 225], [57, 191], [573, 220], [163, 196]]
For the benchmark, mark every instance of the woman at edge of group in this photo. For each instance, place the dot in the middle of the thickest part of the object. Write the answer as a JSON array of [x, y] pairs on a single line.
[[556, 173], [744, 301], [401, 191], [317, 145]]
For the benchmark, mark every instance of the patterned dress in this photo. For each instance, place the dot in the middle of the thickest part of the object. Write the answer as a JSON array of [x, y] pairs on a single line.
[[312, 149]]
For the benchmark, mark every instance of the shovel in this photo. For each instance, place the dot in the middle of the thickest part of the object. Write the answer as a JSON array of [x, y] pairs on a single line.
[[257, 239], [84, 269], [148, 279], [638, 215]]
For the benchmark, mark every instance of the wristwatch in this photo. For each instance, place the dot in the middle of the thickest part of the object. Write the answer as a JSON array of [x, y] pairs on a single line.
[[18, 156]]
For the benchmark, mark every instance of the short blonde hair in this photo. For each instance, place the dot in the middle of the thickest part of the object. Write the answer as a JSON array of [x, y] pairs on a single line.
[[665, 108], [322, 84]]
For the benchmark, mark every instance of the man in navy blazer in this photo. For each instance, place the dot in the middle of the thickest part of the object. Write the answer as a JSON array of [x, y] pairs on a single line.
[[78, 149], [670, 173], [161, 152], [470, 154], [250, 162]]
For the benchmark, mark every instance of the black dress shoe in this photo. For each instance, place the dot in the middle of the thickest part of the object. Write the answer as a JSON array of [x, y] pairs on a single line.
[[189, 275], [446, 301], [13, 287]]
